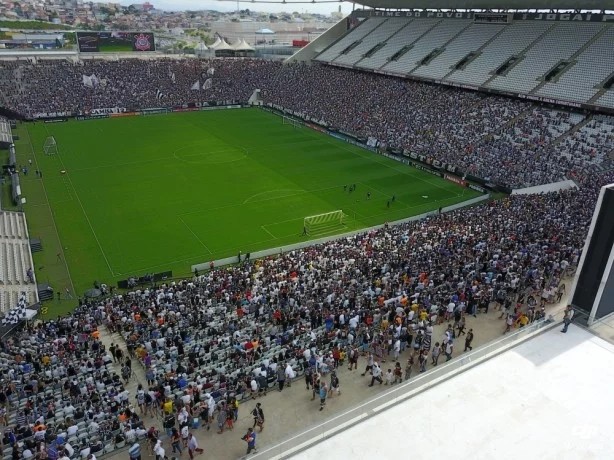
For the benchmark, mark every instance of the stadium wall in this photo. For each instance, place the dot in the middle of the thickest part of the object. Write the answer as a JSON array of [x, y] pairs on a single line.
[[322, 42], [546, 188], [593, 286]]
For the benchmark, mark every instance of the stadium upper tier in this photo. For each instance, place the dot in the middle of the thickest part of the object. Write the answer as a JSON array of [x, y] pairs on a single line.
[[511, 142], [567, 61]]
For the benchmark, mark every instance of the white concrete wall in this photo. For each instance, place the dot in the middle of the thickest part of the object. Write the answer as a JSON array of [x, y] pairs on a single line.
[[323, 41], [554, 187]]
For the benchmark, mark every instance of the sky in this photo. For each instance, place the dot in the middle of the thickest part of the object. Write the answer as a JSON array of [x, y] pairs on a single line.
[[179, 5]]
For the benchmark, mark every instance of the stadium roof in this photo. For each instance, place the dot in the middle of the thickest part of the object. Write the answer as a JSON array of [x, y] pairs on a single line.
[[492, 4]]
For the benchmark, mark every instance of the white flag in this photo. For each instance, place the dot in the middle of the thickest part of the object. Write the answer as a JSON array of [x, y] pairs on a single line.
[[173, 77], [207, 84], [211, 71], [196, 86], [94, 79], [87, 81]]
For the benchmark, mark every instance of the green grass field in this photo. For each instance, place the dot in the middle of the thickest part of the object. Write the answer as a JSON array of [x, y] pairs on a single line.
[[163, 192]]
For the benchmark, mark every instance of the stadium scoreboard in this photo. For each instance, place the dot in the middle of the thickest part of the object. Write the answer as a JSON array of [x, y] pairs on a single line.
[[100, 42]]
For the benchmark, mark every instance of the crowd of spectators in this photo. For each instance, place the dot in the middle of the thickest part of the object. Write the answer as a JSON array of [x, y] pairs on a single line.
[[510, 142], [232, 333]]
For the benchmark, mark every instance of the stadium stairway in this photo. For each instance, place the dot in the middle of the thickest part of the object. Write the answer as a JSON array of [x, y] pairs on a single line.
[[382, 31], [423, 28], [521, 54], [443, 46], [596, 97], [573, 129], [571, 59], [477, 53], [355, 35], [36, 245], [385, 42]]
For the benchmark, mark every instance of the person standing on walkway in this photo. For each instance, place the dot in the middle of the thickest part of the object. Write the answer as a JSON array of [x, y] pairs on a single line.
[[323, 394], [369, 367], [250, 439], [334, 383], [435, 353], [449, 350], [135, 451], [468, 340], [193, 446], [567, 318], [176, 441], [353, 358], [376, 371], [258, 415], [281, 377]]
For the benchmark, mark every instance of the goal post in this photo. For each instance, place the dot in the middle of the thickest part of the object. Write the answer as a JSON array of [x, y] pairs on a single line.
[[291, 121], [324, 223], [50, 147]]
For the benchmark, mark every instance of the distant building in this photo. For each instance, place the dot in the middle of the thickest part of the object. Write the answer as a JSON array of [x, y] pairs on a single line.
[[142, 6]]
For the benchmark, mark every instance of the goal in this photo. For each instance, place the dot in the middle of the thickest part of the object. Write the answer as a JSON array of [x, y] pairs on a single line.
[[324, 223], [291, 121], [50, 147]]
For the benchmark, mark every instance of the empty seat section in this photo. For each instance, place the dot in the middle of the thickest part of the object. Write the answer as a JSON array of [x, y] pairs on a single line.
[[560, 43], [435, 38], [511, 42], [378, 35], [354, 35], [404, 37], [581, 81], [472, 39]]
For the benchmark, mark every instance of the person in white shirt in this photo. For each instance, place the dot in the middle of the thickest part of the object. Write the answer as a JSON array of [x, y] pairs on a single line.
[[159, 450], [27, 453], [69, 450], [290, 374], [376, 371], [85, 452]]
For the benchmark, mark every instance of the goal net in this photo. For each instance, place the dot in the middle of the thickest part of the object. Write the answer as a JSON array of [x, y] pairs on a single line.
[[291, 121], [50, 147], [324, 223]]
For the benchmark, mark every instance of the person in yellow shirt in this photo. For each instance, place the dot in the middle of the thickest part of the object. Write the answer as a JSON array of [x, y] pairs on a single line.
[[168, 406], [46, 360], [522, 321]]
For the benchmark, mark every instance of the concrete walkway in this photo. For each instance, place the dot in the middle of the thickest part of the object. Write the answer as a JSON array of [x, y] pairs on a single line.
[[291, 411]]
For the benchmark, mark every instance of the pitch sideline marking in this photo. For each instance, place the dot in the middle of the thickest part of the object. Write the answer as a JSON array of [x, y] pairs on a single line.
[[264, 228], [55, 227], [195, 235], [83, 210]]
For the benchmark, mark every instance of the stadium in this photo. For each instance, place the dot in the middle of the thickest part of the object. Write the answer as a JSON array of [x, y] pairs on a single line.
[[375, 242]]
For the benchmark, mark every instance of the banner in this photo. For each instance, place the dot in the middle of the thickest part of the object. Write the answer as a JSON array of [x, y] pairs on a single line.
[[477, 188], [108, 110], [42, 115], [125, 114], [485, 17], [113, 42], [91, 117], [456, 180]]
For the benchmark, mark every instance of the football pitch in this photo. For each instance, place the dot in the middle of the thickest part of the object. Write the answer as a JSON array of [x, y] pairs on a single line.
[[155, 193]]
